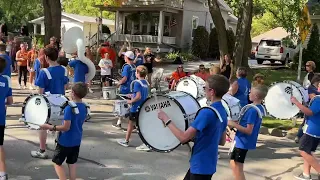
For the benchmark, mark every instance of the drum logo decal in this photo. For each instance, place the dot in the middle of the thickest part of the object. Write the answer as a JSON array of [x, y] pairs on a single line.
[[185, 83], [288, 90], [160, 105], [38, 101]]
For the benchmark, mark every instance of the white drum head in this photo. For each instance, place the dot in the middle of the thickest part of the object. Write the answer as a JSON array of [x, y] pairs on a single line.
[[36, 111], [188, 85], [278, 102], [203, 102], [151, 129], [302, 90]]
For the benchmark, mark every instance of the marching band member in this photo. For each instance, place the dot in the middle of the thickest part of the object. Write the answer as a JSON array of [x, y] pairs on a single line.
[[128, 75], [140, 94], [80, 70], [54, 80], [39, 63], [69, 140], [202, 72], [5, 99], [7, 70], [176, 76], [247, 131], [209, 131], [311, 138], [241, 87], [310, 67]]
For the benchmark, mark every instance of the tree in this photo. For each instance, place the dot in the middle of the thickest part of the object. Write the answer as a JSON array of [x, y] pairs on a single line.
[[86, 8], [200, 42], [52, 19], [264, 23], [220, 26]]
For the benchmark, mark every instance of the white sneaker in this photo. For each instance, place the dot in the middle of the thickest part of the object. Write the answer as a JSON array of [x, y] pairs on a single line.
[[90, 90], [143, 147], [23, 87], [123, 142], [31, 88], [19, 87], [38, 154]]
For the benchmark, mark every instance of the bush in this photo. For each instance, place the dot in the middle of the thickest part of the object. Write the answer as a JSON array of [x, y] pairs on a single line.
[[214, 44], [172, 55], [200, 42], [312, 52]]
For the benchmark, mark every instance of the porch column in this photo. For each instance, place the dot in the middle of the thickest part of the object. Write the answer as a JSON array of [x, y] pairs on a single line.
[[34, 29], [117, 25], [160, 27]]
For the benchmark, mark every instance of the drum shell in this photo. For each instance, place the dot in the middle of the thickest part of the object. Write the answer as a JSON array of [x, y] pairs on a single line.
[[109, 93], [121, 108], [195, 89]]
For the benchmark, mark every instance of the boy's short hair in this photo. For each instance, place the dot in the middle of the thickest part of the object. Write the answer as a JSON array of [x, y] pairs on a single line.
[[3, 47], [80, 89], [262, 91], [52, 53], [316, 78], [3, 64], [219, 83], [142, 71], [63, 61], [242, 71], [215, 69]]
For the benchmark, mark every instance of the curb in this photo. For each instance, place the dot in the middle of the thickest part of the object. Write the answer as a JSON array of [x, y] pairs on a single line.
[[272, 132]]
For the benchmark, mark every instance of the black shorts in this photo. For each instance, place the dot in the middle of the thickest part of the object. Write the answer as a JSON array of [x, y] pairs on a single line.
[[190, 176], [132, 116], [149, 67], [239, 155], [308, 143], [61, 153], [106, 78], [2, 127]]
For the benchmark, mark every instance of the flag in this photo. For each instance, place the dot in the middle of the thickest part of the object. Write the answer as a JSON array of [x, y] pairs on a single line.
[[173, 23], [304, 23]]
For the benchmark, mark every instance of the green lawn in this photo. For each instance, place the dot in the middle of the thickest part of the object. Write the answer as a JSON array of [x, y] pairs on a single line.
[[278, 123]]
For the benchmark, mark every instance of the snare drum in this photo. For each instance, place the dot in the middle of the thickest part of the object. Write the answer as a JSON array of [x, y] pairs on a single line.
[[278, 103], [192, 85], [121, 108], [181, 106], [39, 109], [109, 92]]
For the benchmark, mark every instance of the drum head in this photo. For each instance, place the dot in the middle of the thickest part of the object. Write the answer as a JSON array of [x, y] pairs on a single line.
[[203, 102], [151, 129], [36, 111], [188, 85], [278, 102]]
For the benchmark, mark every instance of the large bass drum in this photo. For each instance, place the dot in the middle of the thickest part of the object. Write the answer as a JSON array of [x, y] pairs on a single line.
[[192, 85], [278, 103], [180, 106]]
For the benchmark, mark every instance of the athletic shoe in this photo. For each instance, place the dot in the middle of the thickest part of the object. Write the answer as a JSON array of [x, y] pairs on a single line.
[[303, 177], [31, 88], [38, 154], [123, 142], [4, 177], [143, 147], [19, 87], [117, 126], [24, 87]]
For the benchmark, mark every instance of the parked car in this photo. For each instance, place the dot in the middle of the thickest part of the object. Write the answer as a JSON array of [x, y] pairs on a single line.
[[274, 50]]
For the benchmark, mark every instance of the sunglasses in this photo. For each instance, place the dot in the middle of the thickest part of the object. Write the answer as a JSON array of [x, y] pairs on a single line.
[[202, 68], [308, 65], [180, 67]]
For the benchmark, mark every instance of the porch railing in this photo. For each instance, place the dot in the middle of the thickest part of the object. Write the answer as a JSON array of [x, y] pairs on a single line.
[[172, 3], [169, 40], [143, 38]]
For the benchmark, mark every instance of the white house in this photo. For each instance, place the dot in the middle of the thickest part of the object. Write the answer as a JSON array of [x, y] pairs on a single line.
[[89, 25]]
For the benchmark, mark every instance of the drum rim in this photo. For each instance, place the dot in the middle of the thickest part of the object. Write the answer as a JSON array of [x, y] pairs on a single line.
[[47, 102], [285, 81], [181, 108], [188, 77]]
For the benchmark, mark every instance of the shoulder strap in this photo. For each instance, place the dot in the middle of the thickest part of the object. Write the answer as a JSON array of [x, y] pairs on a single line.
[[65, 71], [247, 107], [74, 107], [140, 82], [47, 73], [9, 80], [213, 109]]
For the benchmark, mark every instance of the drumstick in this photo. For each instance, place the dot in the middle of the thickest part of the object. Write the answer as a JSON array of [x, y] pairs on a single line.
[[154, 93], [291, 94]]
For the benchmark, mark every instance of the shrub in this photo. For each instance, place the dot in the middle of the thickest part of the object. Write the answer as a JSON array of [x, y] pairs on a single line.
[[312, 52], [200, 42], [214, 44]]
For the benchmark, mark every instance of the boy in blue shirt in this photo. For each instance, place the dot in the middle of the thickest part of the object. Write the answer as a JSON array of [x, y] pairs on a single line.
[[311, 137], [241, 87], [247, 131], [3, 54], [80, 70], [140, 94], [70, 136], [5, 99], [53, 79], [128, 75], [208, 130]]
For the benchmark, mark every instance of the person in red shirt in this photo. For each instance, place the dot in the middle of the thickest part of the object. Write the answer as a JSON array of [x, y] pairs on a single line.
[[176, 76], [202, 72]]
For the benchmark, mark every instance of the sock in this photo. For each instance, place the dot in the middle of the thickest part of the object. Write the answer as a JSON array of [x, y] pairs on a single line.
[[2, 174], [42, 151], [306, 175], [119, 121]]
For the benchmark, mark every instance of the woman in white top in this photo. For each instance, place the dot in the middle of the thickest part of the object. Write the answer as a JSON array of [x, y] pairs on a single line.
[[106, 65]]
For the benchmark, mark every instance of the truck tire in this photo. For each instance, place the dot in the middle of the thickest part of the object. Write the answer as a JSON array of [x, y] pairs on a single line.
[[260, 61]]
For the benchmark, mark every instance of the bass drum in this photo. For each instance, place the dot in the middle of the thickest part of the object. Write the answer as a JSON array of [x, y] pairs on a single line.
[[192, 85], [182, 109], [278, 103], [303, 91]]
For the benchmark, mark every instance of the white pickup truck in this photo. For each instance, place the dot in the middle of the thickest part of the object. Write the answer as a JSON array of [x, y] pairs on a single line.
[[274, 50]]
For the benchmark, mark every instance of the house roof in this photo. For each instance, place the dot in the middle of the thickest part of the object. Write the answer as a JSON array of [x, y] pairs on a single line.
[[277, 33], [222, 4], [78, 18]]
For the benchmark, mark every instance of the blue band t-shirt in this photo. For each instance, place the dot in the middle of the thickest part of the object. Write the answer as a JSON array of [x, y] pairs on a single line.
[[80, 70], [5, 91], [7, 70], [143, 89], [128, 70], [242, 94], [314, 120], [37, 68]]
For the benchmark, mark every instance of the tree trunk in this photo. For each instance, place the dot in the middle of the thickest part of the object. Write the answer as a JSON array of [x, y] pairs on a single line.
[[219, 23], [248, 43], [52, 19], [243, 31]]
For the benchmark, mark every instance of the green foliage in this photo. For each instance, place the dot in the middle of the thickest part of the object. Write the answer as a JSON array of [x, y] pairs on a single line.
[[86, 8], [312, 52], [185, 56], [19, 12], [172, 55], [213, 44], [235, 5], [200, 42], [38, 40], [264, 23]]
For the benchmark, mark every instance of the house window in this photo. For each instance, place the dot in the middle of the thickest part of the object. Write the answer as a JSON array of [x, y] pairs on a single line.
[[195, 24]]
